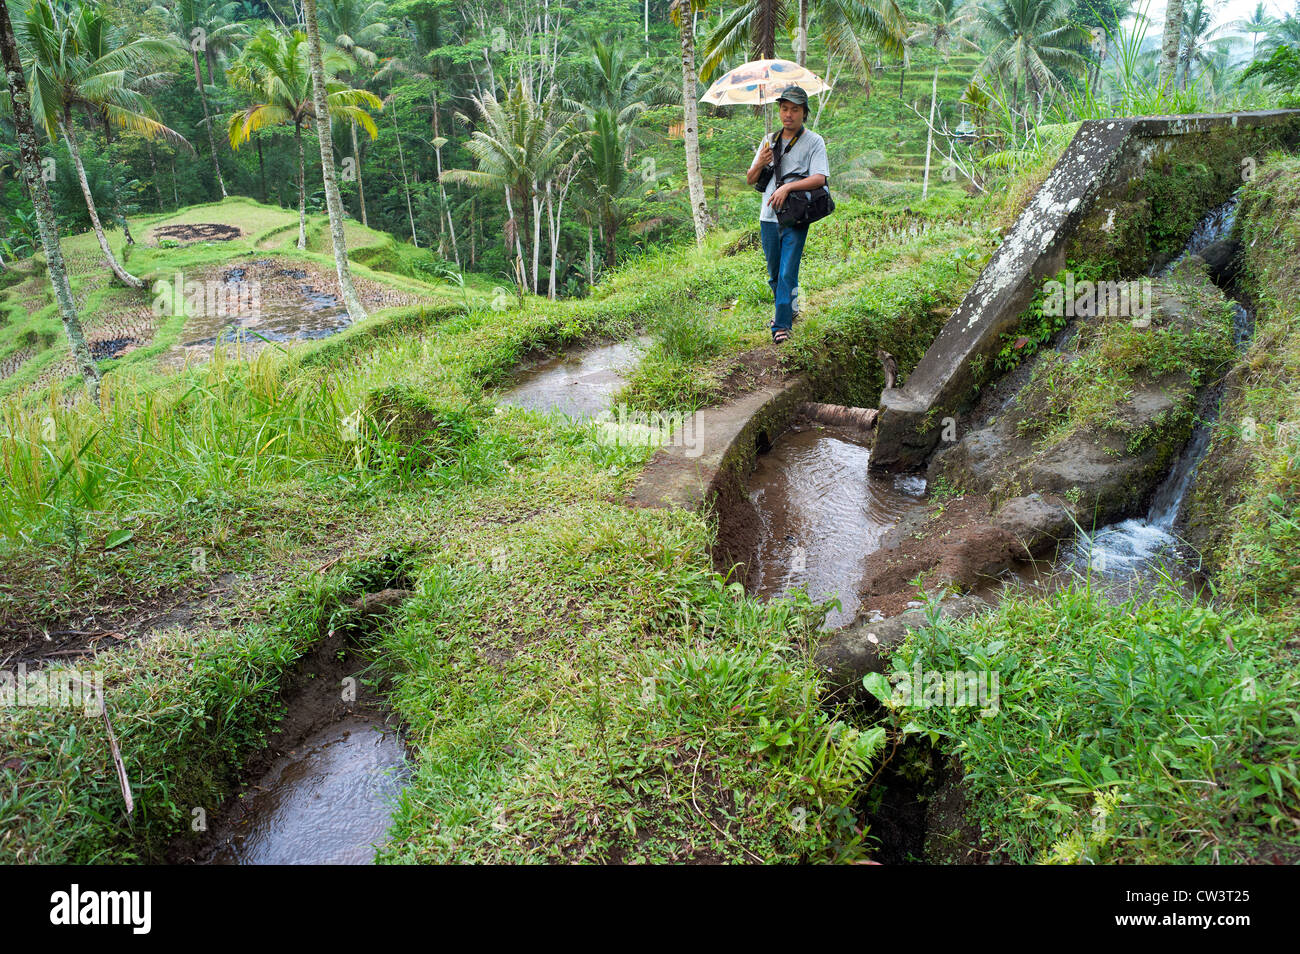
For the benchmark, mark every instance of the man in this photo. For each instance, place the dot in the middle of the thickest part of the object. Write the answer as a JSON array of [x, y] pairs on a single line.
[[803, 167]]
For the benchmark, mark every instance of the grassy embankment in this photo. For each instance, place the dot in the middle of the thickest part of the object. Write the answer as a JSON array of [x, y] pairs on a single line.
[[574, 679]]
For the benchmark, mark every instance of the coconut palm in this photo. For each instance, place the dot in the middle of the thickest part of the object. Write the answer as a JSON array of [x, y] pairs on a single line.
[[274, 69], [844, 26], [208, 27], [1027, 41], [517, 147], [29, 161], [681, 11], [949, 19], [79, 61], [354, 27], [1285, 32], [1258, 24], [615, 87], [333, 201], [1204, 45], [1170, 40]]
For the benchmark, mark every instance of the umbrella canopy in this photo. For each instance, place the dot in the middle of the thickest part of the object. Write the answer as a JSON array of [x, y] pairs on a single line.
[[760, 82]]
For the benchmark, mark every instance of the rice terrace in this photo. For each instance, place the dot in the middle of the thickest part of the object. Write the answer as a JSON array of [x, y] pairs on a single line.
[[607, 432]]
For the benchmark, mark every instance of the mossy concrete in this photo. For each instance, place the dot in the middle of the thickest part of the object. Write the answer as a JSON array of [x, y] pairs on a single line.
[[1125, 194]]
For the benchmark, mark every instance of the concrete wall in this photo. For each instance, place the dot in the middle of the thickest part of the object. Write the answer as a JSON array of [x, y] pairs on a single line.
[[1124, 195]]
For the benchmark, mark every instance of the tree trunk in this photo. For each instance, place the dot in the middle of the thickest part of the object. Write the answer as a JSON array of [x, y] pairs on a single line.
[[550, 231], [929, 137], [261, 167], [1170, 42], [302, 188], [406, 184], [537, 233], [361, 185], [153, 164], [520, 276], [802, 52], [690, 117], [29, 160], [125, 277], [207, 122], [333, 201]]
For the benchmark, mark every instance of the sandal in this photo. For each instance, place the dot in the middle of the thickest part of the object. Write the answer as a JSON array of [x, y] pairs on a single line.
[[780, 336]]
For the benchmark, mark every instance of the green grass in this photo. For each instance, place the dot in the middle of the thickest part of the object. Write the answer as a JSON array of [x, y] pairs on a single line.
[[522, 688], [1152, 731]]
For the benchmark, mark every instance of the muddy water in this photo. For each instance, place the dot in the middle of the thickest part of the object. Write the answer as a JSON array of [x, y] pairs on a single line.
[[250, 305], [821, 514], [579, 384], [328, 801]]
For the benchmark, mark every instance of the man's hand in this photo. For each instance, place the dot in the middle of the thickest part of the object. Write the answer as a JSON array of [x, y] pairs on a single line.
[[764, 154], [777, 199]]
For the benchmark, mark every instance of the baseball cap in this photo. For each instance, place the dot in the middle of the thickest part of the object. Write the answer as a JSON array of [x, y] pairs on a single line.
[[794, 94]]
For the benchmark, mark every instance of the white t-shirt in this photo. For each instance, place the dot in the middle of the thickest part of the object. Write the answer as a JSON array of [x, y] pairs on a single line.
[[807, 157]]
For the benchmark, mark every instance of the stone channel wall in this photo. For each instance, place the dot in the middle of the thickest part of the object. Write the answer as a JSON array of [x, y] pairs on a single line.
[[1124, 196]]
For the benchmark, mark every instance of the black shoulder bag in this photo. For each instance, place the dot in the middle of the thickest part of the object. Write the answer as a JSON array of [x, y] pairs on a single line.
[[805, 207]]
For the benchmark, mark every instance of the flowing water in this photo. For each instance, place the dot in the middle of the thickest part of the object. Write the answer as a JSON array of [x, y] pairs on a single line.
[[822, 513], [1142, 548], [579, 384], [328, 801]]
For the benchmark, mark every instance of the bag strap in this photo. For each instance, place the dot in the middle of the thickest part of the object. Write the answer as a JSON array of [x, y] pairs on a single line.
[[777, 142]]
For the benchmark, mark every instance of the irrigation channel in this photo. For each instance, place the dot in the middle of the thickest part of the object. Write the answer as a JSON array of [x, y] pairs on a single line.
[[323, 791]]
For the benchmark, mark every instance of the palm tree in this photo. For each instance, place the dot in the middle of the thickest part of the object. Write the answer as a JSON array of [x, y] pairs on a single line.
[[1169, 43], [1258, 24], [355, 26], [1201, 39], [1285, 31], [949, 18], [1030, 39], [203, 26], [518, 146], [30, 164], [613, 90], [333, 201], [844, 25], [274, 69], [681, 11], [82, 62]]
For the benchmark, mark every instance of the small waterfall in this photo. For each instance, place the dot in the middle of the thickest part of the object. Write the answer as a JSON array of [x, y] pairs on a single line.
[[1215, 226], [1132, 546]]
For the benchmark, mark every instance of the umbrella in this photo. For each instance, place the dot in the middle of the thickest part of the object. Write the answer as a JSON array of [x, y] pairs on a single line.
[[760, 82]]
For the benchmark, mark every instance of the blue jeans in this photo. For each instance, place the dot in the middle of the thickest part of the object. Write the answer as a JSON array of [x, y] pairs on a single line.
[[782, 247]]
